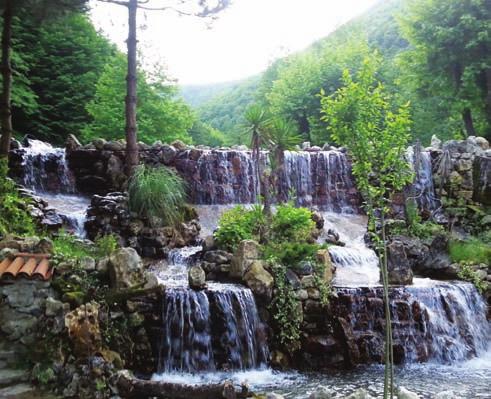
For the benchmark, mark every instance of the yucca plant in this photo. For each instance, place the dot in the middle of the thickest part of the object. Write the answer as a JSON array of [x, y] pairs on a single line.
[[281, 136], [157, 194], [256, 125]]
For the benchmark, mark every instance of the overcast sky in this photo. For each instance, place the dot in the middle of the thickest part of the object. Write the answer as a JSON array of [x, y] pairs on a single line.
[[242, 42]]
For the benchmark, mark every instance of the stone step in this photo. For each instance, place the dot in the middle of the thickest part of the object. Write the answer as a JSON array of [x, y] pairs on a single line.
[[17, 392], [11, 376]]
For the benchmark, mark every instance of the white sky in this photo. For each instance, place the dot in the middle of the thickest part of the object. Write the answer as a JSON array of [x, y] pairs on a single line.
[[242, 42]]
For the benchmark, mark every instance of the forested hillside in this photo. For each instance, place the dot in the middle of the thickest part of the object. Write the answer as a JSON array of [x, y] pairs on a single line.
[[68, 78], [422, 47]]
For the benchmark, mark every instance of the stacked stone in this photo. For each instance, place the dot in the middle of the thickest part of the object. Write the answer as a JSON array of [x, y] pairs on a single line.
[[109, 214], [462, 169]]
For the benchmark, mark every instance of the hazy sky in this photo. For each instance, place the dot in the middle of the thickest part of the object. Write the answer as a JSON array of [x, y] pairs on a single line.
[[242, 42]]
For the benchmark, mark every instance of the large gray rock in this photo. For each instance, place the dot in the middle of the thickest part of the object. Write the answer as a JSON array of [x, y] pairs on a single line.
[[259, 280], [398, 265], [247, 252], [197, 277], [168, 153], [125, 268]]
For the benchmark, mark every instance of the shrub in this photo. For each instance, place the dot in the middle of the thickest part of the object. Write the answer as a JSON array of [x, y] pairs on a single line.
[[14, 217], [292, 224], [239, 224], [157, 194], [468, 274], [290, 254], [472, 251]]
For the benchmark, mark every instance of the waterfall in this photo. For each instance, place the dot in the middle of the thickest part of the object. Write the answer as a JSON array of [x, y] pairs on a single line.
[[432, 321], [47, 174], [321, 178], [456, 319], [213, 329], [422, 186], [46, 169]]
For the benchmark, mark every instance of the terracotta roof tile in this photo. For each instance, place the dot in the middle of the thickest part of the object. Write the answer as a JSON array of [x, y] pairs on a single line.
[[35, 266]]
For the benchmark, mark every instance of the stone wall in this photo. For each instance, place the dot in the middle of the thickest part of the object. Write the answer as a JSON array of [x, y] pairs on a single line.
[[462, 170]]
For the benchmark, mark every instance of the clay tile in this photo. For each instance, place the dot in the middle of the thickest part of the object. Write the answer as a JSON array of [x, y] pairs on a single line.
[[14, 267], [42, 270], [4, 265], [28, 268]]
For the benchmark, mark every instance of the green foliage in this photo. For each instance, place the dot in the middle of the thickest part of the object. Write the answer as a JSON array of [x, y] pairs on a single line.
[[286, 310], [44, 374], [161, 116], [14, 218], [224, 111], [69, 248], [292, 224], [56, 66], [473, 251], [467, 273], [361, 116], [157, 194], [204, 134], [289, 253], [239, 224], [450, 54]]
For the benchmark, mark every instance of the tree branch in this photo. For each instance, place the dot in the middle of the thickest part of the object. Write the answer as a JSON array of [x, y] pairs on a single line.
[[118, 2]]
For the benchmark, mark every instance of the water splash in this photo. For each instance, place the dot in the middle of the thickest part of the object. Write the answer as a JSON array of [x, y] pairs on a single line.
[[46, 172]]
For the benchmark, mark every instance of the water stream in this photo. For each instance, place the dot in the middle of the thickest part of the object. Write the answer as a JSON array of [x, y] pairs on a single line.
[[217, 328], [216, 333], [46, 173]]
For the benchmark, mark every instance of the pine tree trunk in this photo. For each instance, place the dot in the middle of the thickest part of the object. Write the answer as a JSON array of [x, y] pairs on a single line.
[[468, 123], [6, 114], [131, 95]]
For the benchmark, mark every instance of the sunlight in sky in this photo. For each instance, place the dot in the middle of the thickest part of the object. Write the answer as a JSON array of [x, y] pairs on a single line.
[[242, 42]]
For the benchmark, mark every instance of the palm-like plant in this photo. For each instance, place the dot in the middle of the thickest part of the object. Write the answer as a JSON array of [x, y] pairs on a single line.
[[281, 136], [256, 125]]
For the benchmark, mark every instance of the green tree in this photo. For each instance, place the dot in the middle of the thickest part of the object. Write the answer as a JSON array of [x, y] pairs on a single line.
[[361, 117], [64, 62], [204, 134], [42, 10], [161, 115], [451, 56], [199, 8]]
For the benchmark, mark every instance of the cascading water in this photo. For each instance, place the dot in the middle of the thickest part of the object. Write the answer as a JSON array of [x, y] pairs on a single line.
[[422, 187], [47, 174], [213, 329], [356, 265], [321, 178]]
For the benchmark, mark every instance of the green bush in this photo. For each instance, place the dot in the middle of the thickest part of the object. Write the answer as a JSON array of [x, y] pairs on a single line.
[[292, 224], [157, 194], [14, 217], [289, 253], [468, 274], [472, 251], [239, 224]]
